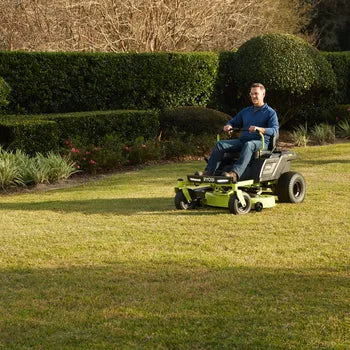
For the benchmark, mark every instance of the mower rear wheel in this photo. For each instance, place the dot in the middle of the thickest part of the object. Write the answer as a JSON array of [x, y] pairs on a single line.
[[235, 206], [291, 187], [182, 203]]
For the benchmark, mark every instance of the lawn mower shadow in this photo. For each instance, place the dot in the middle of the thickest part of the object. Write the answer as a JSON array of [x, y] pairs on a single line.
[[118, 206]]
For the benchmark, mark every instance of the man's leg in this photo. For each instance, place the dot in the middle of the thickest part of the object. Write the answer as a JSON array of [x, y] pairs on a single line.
[[245, 156], [220, 148]]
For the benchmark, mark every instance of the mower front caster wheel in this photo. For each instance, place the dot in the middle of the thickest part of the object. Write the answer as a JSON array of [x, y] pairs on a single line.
[[236, 207], [182, 203]]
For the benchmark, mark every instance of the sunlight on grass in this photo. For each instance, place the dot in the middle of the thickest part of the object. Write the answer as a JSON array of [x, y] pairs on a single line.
[[112, 264]]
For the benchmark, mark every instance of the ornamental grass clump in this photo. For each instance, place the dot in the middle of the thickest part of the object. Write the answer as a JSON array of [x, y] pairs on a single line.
[[19, 169], [323, 133], [300, 135], [343, 129], [10, 174]]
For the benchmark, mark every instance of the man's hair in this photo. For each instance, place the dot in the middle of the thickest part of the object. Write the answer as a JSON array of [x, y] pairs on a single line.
[[259, 85]]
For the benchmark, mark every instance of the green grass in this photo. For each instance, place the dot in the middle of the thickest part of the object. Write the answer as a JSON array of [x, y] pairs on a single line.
[[112, 265]]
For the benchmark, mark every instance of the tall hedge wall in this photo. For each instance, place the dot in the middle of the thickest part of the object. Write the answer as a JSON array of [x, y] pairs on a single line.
[[68, 82]]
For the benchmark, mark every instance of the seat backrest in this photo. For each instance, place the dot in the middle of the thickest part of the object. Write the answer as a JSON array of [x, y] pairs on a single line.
[[273, 142]]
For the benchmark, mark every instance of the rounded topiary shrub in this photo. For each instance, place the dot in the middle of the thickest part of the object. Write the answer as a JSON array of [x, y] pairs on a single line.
[[192, 120], [299, 80], [4, 93]]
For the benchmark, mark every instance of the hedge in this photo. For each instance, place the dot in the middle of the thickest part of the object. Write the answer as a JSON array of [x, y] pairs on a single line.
[[192, 120], [340, 62], [43, 133], [70, 82]]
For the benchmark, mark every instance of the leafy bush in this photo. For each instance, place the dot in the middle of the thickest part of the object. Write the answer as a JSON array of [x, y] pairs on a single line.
[[45, 82], [323, 133], [192, 120], [342, 112], [340, 62], [299, 80]]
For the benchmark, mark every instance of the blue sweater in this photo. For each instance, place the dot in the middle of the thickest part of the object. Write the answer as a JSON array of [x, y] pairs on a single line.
[[265, 117]]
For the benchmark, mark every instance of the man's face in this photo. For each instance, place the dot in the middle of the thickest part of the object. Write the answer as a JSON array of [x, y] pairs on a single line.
[[257, 95]]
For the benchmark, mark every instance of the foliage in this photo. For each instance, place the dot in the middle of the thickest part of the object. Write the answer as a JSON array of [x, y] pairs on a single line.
[[342, 112], [192, 120], [323, 133], [141, 151], [71, 82], [343, 129], [340, 62], [330, 20], [31, 135], [10, 174], [18, 169], [42, 133], [295, 75], [4, 93], [300, 135]]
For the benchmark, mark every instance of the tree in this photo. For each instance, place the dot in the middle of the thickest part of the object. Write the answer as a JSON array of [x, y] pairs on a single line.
[[330, 19], [143, 25]]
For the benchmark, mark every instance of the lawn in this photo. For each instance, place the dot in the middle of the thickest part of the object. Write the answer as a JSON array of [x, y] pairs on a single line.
[[112, 265]]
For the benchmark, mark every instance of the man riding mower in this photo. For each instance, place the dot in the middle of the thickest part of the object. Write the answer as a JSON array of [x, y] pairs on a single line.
[[251, 178]]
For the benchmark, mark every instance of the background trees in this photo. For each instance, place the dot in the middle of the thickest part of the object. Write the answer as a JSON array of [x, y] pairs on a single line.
[[143, 25], [330, 21]]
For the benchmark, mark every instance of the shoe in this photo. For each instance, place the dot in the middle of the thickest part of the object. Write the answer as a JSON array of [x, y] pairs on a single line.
[[231, 174], [204, 173]]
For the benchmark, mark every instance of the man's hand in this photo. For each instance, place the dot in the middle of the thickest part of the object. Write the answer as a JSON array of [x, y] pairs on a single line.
[[227, 128], [254, 128]]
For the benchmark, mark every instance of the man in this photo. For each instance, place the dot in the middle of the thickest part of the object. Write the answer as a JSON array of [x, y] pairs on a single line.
[[258, 117]]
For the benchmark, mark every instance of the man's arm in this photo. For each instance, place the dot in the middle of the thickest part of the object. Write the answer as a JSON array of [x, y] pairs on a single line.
[[235, 122]]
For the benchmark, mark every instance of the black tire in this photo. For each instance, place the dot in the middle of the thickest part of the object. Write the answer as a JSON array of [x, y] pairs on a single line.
[[235, 207], [291, 187], [181, 202]]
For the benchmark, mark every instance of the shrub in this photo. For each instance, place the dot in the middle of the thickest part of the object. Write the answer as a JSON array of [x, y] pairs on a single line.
[[4, 93], [30, 135], [343, 129], [323, 133], [340, 62], [192, 120], [300, 135], [93, 126], [45, 82], [9, 171], [299, 80], [342, 112], [18, 169], [226, 90], [141, 151], [43, 133]]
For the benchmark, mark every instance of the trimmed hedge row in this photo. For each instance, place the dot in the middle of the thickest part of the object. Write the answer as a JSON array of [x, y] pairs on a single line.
[[192, 120], [69, 82], [43, 133]]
